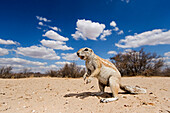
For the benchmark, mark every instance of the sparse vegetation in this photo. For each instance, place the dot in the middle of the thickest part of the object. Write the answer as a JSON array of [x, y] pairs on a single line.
[[166, 72], [136, 63], [133, 63], [69, 71], [5, 72]]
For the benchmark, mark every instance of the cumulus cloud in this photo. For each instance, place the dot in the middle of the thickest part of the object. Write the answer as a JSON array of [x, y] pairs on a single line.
[[55, 28], [81, 66], [40, 23], [167, 54], [55, 44], [86, 29], [43, 19], [55, 36], [154, 37], [112, 52], [113, 23], [62, 63], [78, 35], [19, 62], [167, 63], [167, 58], [8, 42], [120, 32], [116, 29], [39, 28], [3, 52], [44, 69], [69, 56], [38, 52], [128, 50], [105, 33]]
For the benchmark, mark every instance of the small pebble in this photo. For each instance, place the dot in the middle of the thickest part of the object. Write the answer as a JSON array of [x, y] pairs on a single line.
[[127, 105], [150, 93], [125, 97], [33, 111]]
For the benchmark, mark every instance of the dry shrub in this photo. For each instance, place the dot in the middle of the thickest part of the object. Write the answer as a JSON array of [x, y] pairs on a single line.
[[139, 62], [69, 71], [5, 72], [166, 72]]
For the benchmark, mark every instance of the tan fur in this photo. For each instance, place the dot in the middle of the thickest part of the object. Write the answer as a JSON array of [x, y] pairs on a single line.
[[107, 63], [106, 73]]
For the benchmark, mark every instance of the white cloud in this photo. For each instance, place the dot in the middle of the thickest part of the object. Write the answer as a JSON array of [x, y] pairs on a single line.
[[8, 42], [55, 44], [40, 23], [43, 19], [55, 28], [167, 58], [128, 50], [3, 52], [39, 28], [33, 68], [113, 23], [105, 33], [88, 29], [44, 69], [19, 62], [55, 36], [120, 32], [62, 63], [69, 56], [77, 35], [167, 54], [116, 29], [81, 66], [154, 37], [38, 52], [167, 63], [112, 52]]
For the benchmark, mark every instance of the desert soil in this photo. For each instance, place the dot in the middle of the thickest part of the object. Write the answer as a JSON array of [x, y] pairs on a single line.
[[64, 95]]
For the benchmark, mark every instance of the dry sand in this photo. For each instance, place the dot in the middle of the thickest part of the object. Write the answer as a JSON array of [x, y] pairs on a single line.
[[63, 95]]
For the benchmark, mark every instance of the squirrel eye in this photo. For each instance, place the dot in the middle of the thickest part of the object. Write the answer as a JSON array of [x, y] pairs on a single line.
[[86, 49]]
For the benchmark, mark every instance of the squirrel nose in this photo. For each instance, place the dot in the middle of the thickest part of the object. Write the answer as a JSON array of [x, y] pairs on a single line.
[[77, 54]]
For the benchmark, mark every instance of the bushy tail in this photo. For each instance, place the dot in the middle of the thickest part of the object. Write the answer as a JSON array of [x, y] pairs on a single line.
[[133, 89]]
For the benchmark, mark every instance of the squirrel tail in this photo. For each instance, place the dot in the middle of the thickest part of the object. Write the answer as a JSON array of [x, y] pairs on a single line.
[[133, 89]]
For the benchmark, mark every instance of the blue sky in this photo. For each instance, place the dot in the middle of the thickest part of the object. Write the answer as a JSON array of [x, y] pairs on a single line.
[[44, 34]]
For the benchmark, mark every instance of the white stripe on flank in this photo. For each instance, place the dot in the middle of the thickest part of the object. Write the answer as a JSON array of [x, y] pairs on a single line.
[[107, 63]]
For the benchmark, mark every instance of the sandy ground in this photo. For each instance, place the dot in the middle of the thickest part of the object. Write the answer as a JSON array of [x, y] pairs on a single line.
[[62, 95]]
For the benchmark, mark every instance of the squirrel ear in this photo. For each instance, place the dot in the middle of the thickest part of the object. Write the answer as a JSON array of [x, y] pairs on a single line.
[[91, 50]]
